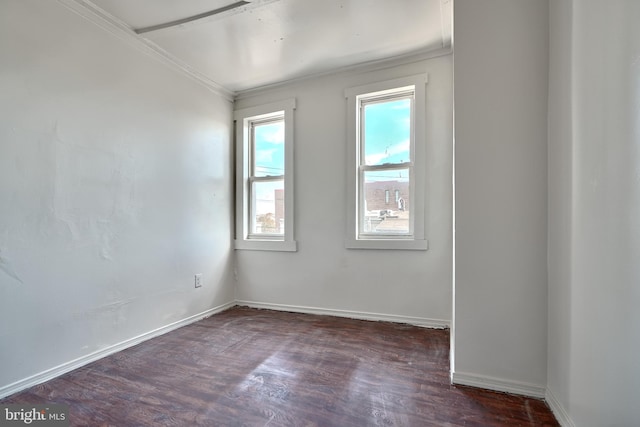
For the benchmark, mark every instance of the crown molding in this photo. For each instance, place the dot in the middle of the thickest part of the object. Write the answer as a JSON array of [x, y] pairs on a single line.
[[124, 32], [367, 66], [446, 22]]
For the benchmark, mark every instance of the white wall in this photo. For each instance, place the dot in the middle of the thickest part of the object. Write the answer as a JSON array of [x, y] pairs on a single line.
[[500, 85], [114, 191], [594, 287], [560, 230], [323, 274]]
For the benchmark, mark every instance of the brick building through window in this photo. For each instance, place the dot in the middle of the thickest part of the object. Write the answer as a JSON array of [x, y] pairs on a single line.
[[387, 195]]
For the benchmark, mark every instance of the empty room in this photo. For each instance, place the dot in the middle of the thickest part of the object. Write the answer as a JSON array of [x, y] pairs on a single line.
[[319, 212]]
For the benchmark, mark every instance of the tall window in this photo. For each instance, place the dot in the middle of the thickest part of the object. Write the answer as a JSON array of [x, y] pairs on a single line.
[[387, 152], [264, 178], [385, 160]]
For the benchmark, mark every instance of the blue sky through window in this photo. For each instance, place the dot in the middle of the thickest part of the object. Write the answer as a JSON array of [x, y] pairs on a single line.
[[387, 132], [269, 149], [268, 161]]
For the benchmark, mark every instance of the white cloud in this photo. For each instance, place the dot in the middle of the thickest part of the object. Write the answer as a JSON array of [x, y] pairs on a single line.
[[265, 156], [377, 158], [276, 136], [404, 105]]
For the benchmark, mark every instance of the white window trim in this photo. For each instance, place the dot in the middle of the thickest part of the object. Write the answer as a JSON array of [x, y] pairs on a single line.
[[418, 240], [243, 117]]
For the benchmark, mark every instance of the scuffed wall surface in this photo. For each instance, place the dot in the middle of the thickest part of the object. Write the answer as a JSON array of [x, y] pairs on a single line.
[[114, 191]]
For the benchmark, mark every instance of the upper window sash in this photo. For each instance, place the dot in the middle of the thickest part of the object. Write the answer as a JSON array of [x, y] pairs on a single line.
[[377, 98], [275, 119]]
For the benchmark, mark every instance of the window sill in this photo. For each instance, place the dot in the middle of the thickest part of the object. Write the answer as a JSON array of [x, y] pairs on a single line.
[[267, 245], [412, 245]]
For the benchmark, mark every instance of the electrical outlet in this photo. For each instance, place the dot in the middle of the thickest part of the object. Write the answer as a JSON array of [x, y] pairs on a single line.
[[198, 280]]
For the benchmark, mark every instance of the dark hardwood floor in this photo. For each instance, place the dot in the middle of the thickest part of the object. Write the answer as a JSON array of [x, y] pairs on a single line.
[[248, 367]]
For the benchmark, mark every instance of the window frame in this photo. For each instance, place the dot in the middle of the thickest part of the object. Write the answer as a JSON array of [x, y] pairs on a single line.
[[416, 238], [255, 178], [245, 177]]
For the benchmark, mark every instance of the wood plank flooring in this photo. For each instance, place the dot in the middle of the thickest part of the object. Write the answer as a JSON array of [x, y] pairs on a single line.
[[249, 367]]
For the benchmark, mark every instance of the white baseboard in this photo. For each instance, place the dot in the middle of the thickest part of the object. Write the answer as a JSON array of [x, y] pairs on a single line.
[[497, 384], [558, 410], [416, 321], [84, 360]]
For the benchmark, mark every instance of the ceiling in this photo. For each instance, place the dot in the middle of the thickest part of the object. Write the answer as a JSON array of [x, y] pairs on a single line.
[[243, 45]]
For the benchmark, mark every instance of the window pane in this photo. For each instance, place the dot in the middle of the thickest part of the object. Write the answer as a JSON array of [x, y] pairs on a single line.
[[378, 216], [268, 140], [387, 132], [267, 207]]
